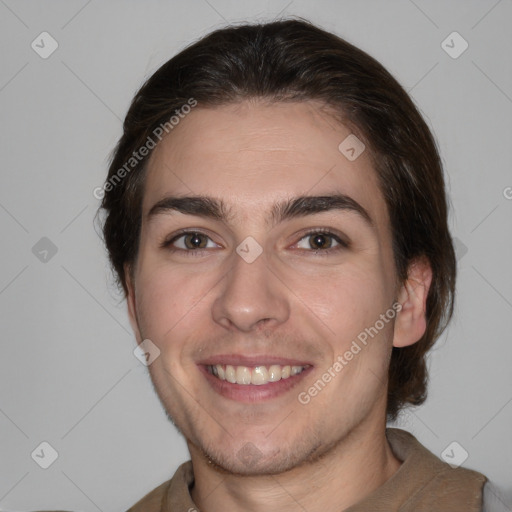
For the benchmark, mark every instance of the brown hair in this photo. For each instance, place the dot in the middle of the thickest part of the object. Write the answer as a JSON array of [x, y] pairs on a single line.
[[292, 60]]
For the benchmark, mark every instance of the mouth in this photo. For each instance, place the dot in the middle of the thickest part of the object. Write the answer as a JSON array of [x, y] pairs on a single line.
[[249, 380], [257, 375]]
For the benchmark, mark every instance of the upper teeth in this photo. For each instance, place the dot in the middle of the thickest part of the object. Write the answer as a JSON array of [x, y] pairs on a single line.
[[256, 375]]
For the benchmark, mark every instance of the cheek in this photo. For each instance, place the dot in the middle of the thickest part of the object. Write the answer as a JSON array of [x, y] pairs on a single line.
[[346, 301], [165, 303], [359, 341], [171, 314]]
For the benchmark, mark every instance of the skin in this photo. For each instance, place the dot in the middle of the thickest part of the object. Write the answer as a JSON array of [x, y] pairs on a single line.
[[292, 301]]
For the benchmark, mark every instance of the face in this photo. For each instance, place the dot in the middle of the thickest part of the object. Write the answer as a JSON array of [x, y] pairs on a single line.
[[252, 296]]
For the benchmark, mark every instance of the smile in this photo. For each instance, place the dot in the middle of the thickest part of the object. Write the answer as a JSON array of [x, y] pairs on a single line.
[[255, 375]]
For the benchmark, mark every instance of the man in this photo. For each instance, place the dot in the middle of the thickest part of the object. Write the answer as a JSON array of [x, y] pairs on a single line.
[[276, 215]]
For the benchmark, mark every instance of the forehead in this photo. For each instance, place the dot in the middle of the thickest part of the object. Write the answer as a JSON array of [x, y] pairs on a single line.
[[252, 154]]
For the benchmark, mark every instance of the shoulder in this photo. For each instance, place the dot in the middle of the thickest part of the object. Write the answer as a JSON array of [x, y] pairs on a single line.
[[171, 494], [437, 483], [152, 502]]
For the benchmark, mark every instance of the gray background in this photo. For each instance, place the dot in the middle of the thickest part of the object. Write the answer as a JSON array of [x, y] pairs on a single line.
[[68, 375]]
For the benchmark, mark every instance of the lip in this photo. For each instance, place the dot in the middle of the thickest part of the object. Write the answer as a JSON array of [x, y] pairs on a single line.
[[251, 393], [254, 360]]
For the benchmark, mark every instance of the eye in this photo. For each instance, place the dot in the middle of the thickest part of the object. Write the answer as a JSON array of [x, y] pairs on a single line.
[[317, 241], [321, 241], [190, 241]]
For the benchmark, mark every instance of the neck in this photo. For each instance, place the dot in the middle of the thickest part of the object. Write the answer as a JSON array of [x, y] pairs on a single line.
[[356, 466]]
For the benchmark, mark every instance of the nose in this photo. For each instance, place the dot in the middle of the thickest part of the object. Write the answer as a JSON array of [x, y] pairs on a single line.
[[251, 297]]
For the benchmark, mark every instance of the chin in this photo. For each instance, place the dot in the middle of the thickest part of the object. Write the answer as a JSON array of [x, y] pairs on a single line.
[[252, 464], [249, 460]]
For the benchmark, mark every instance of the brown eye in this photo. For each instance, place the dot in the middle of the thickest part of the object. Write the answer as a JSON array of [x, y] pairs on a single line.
[[321, 241], [195, 241], [190, 241]]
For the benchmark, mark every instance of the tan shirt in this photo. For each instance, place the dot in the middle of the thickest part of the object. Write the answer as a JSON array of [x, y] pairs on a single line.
[[422, 483]]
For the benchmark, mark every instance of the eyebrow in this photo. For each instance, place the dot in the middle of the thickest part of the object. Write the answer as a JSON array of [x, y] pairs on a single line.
[[296, 207]]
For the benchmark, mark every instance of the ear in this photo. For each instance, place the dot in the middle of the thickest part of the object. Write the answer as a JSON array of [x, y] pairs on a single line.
[[411, 320], [132, 304]]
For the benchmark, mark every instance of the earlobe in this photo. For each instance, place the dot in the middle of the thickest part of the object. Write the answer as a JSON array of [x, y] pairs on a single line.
[[411, 321], [132, 304]]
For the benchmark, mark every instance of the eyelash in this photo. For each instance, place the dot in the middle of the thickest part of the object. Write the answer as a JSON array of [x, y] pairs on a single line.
[[167, 244]]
